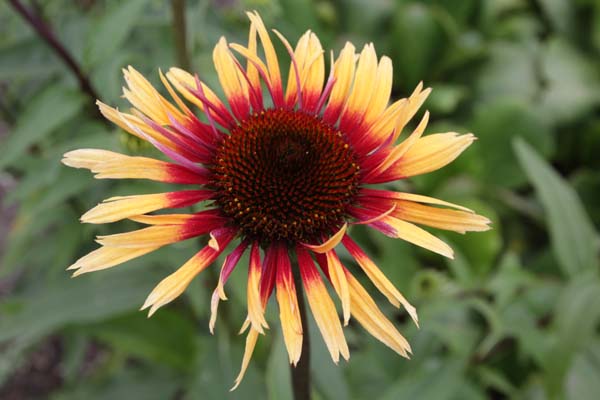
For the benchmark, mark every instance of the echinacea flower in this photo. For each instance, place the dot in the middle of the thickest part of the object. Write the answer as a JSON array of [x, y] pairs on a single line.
[[282, 173]]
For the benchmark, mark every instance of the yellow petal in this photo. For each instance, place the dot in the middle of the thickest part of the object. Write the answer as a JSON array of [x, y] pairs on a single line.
[[379, 279], [175, 284], [270, 54], [255, 307], [381, 90], [158, 235], [415, 235], [364, 80], [343, 72], [410, 108], [431, 153], [289, 313], [442, 218], [322, 308], [250, 345], [107, 257], [120, 207], [162, 219], [233, 83], [339, 282], [372, 319]]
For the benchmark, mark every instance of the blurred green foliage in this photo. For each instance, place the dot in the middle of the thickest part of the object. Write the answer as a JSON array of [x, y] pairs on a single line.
[[515, 315]]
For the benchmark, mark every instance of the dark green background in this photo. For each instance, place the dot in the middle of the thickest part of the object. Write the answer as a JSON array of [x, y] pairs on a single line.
[[514, 316]]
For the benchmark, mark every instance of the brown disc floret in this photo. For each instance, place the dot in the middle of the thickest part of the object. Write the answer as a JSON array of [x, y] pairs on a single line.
[[285, 175]]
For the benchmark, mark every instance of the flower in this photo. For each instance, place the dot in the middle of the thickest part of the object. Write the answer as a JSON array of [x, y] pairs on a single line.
[[285, 174]]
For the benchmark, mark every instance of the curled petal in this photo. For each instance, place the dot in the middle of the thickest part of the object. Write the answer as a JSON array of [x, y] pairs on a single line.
[[329, 243]]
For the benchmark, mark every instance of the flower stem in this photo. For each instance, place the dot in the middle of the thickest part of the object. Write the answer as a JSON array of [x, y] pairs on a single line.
[[301, 372], [45, 32], [179, 33]]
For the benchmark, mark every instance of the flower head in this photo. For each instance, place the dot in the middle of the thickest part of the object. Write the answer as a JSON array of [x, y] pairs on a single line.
[[283, 175]]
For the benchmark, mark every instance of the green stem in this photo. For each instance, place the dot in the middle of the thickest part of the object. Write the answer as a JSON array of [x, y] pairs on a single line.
[[301, 372], [45, 32], [179, 32]]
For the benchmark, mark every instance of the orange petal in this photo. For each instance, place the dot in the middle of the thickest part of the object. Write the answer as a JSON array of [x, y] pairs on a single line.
[[329, 243], [289, 313], [372, 319], [233, 82], [270, 55], [322, 307], [255, 307], [410, 108], [379, 279], [339, 282], [343, 72], [431, 153], [175, 284], [250, 345], [415, 235], [364, 82]]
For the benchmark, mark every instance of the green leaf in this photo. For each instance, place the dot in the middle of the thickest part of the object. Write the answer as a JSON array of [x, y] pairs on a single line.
[[414, 59], [130, 383], [582, 380], [44, 113], [217, 366], [112, 30], [572, 81], [89, 298], [328, 377], [571, 231], [436, 380], [497, 81], [167, 338], [576, 318], [495, 124]]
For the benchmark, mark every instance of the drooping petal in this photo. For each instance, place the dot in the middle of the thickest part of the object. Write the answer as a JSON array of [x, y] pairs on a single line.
[[289, 312], [250, 345], [173, 285], [219, 293], [339, 282], [378, 278], [120, 207], [256, 313], [397, 228], [322, 307], [372, 319]]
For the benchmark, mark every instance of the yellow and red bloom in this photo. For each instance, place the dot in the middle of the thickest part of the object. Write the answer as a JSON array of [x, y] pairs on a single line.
[[283, 173]]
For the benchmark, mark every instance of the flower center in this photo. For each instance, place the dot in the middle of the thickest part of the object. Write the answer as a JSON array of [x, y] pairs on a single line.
[[285, 175]]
